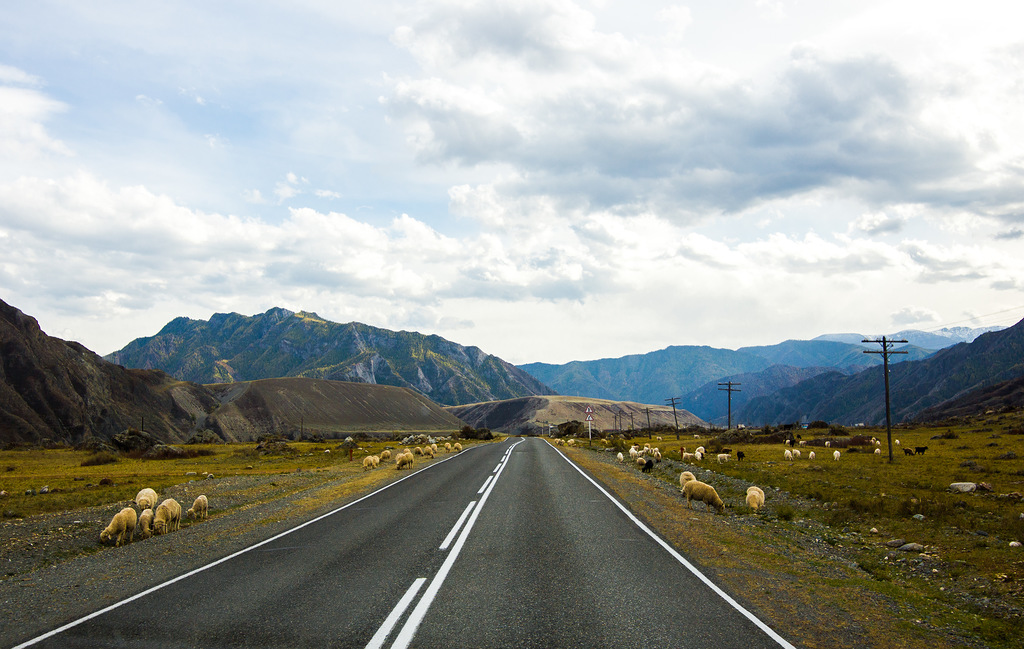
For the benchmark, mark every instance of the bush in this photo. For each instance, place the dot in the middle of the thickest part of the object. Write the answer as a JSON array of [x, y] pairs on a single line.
[[98, 459]]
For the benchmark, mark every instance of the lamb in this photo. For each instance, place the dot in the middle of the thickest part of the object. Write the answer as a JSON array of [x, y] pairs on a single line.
[[755, 497], [835, 455], [657, 455], [789, 455], [803, 443], [897, 442], [810, 456], [199, 508], [146, 499], [723, 457], [121, 525], [620, 457], [167, 517], [146, 523], [648, 465], [404, 461], [433, 447], [702, 492]]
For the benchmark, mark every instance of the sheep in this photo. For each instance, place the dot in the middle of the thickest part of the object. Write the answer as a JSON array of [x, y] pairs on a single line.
[[200, 508], [167, 517], [376, 461], [657, 455], [827, 443], [920, 449], [699, 449], [796, 453], [803, 443], [641, 462], [908, 451], [835, 455], [633, 452], [648, 465], [146, 523], [789, 442], [687, 457], [740, 455], [121, 525], [433, 447], [146, 499], [457, 447], [404, 461], [620, 457], [702, 492], [447, 447], [417, 451], [385, 455], [723, 457], [658, 438], [685, 477], [367, 463], [897, 442], [877, 443], [698, 455], [788, 455], [810, 456], [428, 451], [878, 451], [755, 497]]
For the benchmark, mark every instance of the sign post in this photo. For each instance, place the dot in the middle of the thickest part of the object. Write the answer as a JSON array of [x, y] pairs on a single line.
[[590, 418]]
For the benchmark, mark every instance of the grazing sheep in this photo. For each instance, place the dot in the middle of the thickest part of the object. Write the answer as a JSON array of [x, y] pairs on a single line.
[[648, 465], [755, 497], [167, 517], [878, 451], [835, 455], [417, 451], [789, 442], [828, 443], [810, 456], [877, 443], [457, 447], [687, 457], [428, 451], [699, 449], [657, 455], [620, 457], [723, 457], [447, 447], [121, 525], [788, 455], [796, 453], [385, 455], [740, 455], [633, 452], [641, 462], [908, 451], [897, 442], [367, 463], [200, 508], [146, 499], [920, 449], [146, 523], [702, 492], [433, 447], [803, 443], [698, 455], [685, 477], [658, 438], [404, 461]]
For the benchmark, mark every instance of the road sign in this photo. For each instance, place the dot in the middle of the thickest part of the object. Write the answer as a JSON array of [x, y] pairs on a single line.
[[589, 410], [590, 417]]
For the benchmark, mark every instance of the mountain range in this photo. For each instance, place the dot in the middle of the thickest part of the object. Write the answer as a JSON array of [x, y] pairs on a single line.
[[230, 347]]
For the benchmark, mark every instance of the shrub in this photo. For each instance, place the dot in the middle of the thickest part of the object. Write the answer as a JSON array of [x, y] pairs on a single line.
[[96, 459]]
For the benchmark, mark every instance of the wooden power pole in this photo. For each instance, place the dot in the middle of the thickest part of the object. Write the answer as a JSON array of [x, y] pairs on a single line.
[[730, 390], [885, 351]]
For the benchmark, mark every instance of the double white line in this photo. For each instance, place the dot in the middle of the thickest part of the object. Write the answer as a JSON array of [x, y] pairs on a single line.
[[472, 512]]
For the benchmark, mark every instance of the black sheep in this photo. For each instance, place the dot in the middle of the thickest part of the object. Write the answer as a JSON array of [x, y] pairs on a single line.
[[648, 465]]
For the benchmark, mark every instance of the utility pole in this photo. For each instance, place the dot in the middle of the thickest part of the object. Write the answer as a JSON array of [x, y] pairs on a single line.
[[648, 411], [673, 400], [730, 390], [885, 351]]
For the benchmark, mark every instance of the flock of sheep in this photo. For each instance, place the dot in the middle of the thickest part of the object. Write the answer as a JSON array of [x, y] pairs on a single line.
[[406, 459], [166, 517]]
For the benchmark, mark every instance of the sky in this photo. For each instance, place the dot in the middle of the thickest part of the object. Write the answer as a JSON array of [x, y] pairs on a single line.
[[548, 180]]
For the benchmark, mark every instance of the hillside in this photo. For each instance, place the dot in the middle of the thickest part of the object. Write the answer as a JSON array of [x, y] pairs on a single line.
[[823, 353], [279, 343], [533, 415], [330, 408], [914, 385], [55, 390]]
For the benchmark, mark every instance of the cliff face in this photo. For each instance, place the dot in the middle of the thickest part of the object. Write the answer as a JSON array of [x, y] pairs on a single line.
[[51, 389], [280, 343]]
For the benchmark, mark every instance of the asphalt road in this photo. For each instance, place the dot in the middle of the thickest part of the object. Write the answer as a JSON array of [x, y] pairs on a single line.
[[502, 545]]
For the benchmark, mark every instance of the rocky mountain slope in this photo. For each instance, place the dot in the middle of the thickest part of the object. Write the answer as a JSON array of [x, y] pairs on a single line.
[[230, 347]]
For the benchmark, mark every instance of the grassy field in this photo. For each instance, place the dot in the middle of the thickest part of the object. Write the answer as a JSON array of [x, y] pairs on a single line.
[[72, 480]]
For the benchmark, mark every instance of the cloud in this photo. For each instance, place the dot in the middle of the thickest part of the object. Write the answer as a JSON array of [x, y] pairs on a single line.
[[23, 112], [913, 316], [878, 223]]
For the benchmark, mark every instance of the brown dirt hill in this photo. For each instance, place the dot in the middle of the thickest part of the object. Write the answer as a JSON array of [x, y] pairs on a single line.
[[55, 390], [532, 415], [332, 408]]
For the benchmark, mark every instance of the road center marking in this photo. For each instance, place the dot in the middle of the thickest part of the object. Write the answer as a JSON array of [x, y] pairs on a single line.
[[378, 639], [451, 535], [486, 482]]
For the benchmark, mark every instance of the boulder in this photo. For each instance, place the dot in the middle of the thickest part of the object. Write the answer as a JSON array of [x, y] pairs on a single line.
[[133, 440], [911, 547], [963, 487]]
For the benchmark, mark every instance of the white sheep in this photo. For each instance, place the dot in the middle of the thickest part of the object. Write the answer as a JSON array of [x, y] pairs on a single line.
[[723, 457], [385, 455], [687, 457], [428, 451], [641, 462], [620, 457], [417, 451], [827, 443], [897, 442], [803, 443], [367, 463], [788, 455], [376, 461], [835, 455], [167, 517], [146, 523], [121, 525], [404, 461], [810, 456], [146, 499], [702, 492], [433, 447], [878, 451], [755, 497], [633, 452], [447, 447], [699, 449], [698, 455], [457, 447], [684, 477], [658, 438], [200, 508], [796, 453]]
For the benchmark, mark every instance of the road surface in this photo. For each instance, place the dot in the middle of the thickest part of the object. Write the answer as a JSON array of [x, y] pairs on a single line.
[[502, 545]]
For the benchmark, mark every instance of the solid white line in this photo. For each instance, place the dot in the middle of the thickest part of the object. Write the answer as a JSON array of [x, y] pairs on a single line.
[[451, 535], [689, 566], [486, 482], [498, 466], [69, 625], [405, 636], [378, 639]]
